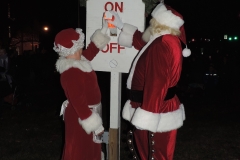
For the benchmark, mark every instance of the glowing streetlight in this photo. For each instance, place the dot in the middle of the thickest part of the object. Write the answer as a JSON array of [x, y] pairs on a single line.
[[45, 28]]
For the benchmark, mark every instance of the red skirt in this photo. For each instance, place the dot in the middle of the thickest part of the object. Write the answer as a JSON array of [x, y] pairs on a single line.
[[78, 144]]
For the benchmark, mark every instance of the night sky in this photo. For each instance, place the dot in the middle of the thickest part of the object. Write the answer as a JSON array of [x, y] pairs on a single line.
[[205, 18], [202, 18]]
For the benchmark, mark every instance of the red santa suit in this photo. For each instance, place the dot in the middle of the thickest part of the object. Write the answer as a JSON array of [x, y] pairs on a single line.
[[155, 70], [79, 82]]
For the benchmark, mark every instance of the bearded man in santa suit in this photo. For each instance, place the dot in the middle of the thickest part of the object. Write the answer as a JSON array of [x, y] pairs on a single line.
[[82, 109], [153, 107]]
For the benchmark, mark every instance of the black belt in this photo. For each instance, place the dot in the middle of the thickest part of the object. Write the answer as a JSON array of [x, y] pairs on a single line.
[[137, 96]]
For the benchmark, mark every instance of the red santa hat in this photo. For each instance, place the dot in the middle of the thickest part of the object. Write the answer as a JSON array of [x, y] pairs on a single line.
[[68, 41], [168, 16]]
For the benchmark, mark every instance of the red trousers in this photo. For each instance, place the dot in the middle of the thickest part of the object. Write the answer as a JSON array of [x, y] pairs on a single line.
[[159, 146]]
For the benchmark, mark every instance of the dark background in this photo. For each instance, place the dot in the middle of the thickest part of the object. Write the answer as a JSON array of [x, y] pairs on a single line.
[[203, 18], [211, 130]]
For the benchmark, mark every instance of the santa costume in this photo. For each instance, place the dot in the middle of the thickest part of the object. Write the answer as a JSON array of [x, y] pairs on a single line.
[[153, 107], [81, 110]]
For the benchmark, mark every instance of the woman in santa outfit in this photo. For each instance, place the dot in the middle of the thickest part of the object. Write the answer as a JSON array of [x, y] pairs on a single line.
[[82, 109], [153, 107]]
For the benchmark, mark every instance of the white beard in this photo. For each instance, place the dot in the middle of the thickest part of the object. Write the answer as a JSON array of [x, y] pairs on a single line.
[[146, 35]]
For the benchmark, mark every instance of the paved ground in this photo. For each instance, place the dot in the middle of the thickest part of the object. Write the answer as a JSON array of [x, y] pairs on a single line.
[[34, 129]]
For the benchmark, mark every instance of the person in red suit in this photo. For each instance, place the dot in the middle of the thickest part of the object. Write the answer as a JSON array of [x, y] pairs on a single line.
[[82, 109], [153, 107]]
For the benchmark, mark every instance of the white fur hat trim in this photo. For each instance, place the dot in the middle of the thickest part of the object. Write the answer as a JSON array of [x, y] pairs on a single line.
[[77, 44], [166, 17]]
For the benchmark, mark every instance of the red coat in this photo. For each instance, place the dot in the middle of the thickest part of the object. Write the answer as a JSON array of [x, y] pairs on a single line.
[[156, 68], [80, 85]]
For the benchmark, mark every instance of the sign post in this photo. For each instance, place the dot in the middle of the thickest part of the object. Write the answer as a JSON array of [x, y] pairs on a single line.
[[114, 58]]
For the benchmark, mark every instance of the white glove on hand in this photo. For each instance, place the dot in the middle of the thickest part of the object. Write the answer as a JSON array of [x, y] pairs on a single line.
[[104, 26], [97, 135], [117, 21]]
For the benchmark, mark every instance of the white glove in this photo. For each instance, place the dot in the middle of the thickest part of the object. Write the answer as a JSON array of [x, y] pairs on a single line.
[[104, 26], [97, 135], [117, 21]]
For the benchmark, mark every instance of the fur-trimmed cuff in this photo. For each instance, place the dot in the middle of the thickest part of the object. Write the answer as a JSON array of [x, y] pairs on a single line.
[[156, 122], [92, 123], [100, 39], [129, 29], [128, 111], [99, 130], [126, 36]]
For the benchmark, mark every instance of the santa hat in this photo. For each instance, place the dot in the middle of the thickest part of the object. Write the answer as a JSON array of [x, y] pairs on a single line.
[[169, 17], [68, 41]]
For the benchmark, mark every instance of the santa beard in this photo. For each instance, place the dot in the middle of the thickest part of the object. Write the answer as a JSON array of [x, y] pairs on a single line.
[[146, 35]]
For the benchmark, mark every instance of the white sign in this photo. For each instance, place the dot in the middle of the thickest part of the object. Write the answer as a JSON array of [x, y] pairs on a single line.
[[114, 57]]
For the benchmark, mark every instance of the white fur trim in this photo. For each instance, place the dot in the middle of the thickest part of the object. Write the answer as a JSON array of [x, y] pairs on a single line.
[[129, 29], [159, 122], [100, 39], [128, 111], [145, 119], [77, 44], [166, 17], [63, 108], [130, 76], [64, 64], [171, 120], [126, 36], [146, 35], [92, 123], [99, 130]]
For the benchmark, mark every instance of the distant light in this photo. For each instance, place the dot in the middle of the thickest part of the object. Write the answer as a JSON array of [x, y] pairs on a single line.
[[235, 38], [193, 39], [230, 38], [45, 28]]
